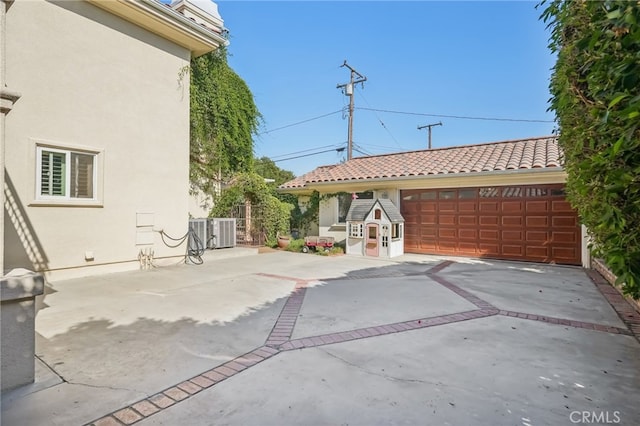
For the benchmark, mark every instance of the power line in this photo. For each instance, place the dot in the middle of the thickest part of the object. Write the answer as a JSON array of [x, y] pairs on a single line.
[[306, 150], [299, 122], [381, 122], [308, 155], [360, 149], [461, 117]]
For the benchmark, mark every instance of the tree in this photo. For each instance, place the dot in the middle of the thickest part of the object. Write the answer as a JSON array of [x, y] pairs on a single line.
[[595, 88], [224, 119], [268, 169]]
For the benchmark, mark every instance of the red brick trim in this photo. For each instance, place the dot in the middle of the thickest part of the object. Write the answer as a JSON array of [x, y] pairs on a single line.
[[627, 312]]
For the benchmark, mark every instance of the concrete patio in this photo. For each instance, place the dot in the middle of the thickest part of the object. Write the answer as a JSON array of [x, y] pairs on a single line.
[[284, 338]]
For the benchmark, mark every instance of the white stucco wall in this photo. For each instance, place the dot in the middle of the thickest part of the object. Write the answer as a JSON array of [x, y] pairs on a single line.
[[328, 225], [90, 79]]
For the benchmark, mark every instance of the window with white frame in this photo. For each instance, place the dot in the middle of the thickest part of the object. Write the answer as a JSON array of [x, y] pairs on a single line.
[[355, 230], [66, 174]]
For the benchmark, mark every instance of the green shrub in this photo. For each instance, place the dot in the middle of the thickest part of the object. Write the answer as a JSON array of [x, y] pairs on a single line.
[[335, 250], [295, 245], [595, 89]]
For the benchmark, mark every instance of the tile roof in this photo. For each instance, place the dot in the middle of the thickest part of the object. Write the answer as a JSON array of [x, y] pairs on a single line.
[[534, 153]]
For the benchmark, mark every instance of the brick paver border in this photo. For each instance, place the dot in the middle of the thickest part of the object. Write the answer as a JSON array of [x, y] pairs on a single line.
[[279, 339], [627, 313]]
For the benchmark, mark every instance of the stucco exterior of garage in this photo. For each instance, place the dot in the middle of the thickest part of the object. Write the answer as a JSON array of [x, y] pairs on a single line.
[[502, 200]]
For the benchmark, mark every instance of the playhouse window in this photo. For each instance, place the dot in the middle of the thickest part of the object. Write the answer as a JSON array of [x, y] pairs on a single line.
[[396, 230], [385, 236], [378, 214], [355, 230]]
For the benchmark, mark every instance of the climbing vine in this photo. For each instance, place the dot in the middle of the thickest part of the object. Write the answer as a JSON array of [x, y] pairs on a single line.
[[273, 215], [595, 90], [224, 119]]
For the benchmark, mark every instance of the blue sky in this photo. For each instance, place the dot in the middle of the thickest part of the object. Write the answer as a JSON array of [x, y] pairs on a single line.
[[473, 59]]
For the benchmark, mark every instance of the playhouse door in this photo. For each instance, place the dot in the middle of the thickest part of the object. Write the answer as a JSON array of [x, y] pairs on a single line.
[[372, 248]]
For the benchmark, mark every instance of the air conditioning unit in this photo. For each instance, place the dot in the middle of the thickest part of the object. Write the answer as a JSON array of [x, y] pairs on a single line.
[[199, 227], [222, 233]]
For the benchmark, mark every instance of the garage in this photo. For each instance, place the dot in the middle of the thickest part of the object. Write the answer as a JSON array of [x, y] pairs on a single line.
[[521, 222]]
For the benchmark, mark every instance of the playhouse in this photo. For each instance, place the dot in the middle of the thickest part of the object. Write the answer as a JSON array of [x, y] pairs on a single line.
[[374, 228]]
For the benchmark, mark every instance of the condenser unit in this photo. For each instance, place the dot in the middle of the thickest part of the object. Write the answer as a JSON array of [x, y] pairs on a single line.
[[222, 233], [199, 228]]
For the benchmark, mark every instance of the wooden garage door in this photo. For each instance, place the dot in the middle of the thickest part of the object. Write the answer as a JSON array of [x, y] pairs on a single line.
[[533, 223]]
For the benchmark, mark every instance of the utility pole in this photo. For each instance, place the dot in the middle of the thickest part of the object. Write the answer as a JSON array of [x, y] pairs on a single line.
[[429, 126], [347, 89]]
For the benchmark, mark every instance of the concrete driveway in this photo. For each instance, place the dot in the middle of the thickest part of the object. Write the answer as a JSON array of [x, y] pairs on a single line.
[[295, 339]]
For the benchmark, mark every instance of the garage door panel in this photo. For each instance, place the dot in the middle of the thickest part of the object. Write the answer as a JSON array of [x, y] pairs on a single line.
[[537, 236], [540, 252], [511, 207], [468, 234], [563, 237], [564, 221], [447, 219], [489, 235], [429, 246], [515, 235], [564, 253], [512, 220], [411, 218], [537, 221], [560, 206], [446, 206], [488, 220], [464, 220], [467, 248], [537, 206], [489, 206], [489, 249], [412, 242], [467, 206], [428, 219], [447, 246], [512, 250], [428, 206], [448, 233], [427, 231], [409, 207]]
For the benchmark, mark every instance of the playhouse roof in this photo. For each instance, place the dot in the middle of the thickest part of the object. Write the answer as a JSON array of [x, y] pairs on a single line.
[[360, 209]]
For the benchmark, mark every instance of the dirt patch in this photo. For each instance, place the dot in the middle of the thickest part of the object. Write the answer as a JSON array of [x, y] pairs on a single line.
[[265, 249]]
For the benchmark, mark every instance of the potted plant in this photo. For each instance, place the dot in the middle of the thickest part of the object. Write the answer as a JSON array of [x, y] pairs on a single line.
[[283, 241]]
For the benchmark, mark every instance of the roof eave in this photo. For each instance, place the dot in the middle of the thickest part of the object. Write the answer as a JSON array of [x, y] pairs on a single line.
[[381, 182], [165, 22]]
